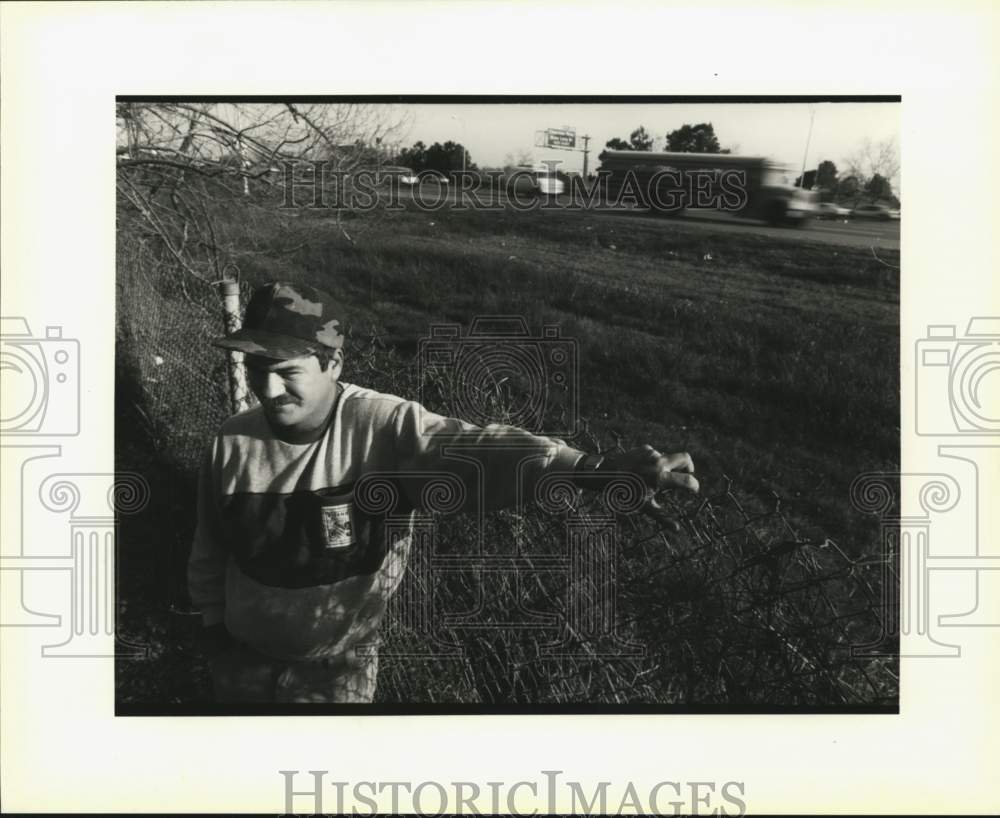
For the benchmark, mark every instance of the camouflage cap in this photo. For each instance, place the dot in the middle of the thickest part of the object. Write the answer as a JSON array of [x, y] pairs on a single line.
[[286, 320]]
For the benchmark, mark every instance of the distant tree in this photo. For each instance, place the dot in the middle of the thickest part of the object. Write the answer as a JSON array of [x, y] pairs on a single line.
[[873, 159], [810, 180], [849, 187], [415, 157], [617, 144], [639, 140], [698, 138], [826, 175], [614, 144], [447, 157], [878, 187]]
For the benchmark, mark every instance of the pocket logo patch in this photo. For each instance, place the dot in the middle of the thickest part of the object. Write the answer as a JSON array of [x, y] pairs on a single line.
[[337, 529]]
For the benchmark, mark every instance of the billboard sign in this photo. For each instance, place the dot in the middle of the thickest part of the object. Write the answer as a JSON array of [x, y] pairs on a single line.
[[560, 138]]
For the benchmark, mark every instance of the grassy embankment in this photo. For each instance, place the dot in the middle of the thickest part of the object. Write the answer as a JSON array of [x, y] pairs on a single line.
[[772, 361]]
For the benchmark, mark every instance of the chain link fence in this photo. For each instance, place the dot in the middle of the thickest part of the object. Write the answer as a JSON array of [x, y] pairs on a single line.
[[579, 598], [599, 606]]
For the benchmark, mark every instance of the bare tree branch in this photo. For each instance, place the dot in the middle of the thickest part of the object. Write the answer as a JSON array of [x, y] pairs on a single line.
[[872, 159], [209, 181]]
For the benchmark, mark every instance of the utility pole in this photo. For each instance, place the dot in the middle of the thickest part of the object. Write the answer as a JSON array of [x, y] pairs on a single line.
[[802, 178], [586, 152]]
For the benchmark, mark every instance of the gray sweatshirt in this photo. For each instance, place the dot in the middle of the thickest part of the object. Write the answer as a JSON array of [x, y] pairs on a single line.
[[299, 547]]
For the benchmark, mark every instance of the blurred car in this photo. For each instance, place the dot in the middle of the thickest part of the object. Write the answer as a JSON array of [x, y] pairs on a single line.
[[433, 176], [405, 176], [533, 181], [546, 182], [871, 211], [829, 210]]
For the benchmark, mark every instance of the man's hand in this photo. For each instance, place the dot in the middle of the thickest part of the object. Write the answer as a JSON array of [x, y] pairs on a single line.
[[659, 472]]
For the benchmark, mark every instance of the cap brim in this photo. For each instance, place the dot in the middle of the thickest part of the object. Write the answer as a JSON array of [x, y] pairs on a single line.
[[267, 344]]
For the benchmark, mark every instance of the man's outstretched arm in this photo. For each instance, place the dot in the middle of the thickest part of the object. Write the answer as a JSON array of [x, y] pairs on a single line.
[[506, 462]]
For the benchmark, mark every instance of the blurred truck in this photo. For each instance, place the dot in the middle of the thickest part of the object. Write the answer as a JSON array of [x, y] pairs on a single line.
[[749, 186]]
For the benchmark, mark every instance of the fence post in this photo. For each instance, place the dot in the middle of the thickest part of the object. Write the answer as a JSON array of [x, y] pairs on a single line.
[[238, 391]]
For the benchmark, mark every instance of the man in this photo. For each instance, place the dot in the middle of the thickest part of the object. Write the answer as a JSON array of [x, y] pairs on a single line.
[[291, 573]]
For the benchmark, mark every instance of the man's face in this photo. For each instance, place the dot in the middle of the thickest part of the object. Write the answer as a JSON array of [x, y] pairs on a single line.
[[296, 394]]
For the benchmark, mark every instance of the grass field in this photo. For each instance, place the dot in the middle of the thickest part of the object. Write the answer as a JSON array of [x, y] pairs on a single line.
[[773, 362]]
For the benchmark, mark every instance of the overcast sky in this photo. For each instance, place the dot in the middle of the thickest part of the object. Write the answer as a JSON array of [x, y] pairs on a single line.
[[779, 131]]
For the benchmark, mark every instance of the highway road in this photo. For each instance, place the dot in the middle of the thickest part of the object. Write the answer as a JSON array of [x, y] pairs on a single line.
[[850, 232]]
